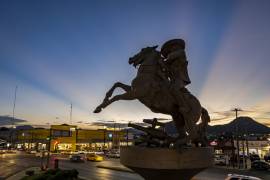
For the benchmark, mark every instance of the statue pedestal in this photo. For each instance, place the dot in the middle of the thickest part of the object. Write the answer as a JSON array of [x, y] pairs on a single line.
[[163, 163]]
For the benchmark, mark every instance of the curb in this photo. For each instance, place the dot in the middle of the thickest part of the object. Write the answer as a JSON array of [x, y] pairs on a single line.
[[116, 168]]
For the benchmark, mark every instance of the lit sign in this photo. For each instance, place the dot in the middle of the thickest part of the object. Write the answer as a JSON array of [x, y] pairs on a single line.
[[213, 143], [56, 142], [110, 135]]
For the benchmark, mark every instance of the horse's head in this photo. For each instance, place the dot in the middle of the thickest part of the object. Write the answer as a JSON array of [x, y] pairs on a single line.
[[142, 55]]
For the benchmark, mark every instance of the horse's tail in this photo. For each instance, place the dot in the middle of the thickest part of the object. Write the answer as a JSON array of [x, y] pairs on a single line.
[[205, 117], [203, 126], [199, 130]]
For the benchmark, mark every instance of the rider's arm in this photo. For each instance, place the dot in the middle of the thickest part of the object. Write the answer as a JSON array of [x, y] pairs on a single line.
[[179, 54], [162, 64]]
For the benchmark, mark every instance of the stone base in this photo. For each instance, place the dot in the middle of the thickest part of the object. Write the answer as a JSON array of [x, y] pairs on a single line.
[[163, 163]]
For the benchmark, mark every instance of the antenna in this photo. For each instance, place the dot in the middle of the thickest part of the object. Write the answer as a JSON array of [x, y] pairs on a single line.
[[70, 115]]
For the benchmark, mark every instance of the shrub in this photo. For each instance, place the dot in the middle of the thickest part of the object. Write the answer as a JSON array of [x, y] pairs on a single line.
[[54, 174]]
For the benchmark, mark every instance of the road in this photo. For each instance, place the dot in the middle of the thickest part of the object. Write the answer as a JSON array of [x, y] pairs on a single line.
[[11, 163], [88, 170]]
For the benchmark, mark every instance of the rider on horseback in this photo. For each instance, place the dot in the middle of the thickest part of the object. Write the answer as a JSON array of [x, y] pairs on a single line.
[[176, 63]]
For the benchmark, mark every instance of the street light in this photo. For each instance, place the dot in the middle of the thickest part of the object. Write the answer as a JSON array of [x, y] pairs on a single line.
[[104, 136], [49, 147]]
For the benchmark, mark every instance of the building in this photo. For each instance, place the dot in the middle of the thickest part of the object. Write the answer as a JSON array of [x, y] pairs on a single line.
[[69, 138], [258, 145]]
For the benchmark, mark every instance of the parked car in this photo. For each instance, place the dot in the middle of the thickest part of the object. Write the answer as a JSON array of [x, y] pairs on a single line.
[[31, 151], [77, 158], [41, 154], [66, 153], [267, 157], [94, 157], [254, 157], [260, 165], [113, 154], [10, 151], [99, 152], [219, 160], [240, 177]]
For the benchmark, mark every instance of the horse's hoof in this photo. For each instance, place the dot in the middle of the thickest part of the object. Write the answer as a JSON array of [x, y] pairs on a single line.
[[97, 110]]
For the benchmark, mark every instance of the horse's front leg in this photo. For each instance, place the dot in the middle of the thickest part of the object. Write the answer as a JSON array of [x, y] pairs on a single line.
[[130, 95], [116, 85]]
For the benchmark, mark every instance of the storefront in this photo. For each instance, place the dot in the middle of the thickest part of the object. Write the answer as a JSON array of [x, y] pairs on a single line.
[[66, 137], [260, 147]]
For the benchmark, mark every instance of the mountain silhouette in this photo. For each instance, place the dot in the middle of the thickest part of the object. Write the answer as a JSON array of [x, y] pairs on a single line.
[[246, 125]]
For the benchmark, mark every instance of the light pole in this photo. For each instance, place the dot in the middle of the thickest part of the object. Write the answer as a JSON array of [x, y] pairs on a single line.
[[127, 137], [104, 136], [49, 148]]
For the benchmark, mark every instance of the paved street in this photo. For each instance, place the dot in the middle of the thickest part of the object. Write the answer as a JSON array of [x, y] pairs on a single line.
[[12, 163], [88, 170]]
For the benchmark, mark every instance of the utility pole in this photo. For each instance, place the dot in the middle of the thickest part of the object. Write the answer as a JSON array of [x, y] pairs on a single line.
[[247, 146], [14, 105], [104, 138], [233, 151], [127, 137], [114, 136], [13, 116], [236, 110], [244, 159]]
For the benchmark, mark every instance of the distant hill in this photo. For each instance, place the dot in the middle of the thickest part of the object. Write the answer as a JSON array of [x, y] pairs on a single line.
[[245, 125], [24, 127]]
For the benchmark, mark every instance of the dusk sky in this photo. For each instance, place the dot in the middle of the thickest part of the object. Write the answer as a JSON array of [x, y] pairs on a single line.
[[62, 51]]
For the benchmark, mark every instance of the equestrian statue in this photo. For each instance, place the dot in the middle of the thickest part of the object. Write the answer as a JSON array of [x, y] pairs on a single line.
[[160, 85]]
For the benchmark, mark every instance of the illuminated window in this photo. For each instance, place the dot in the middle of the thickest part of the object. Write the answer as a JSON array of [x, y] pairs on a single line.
[[61, 133]]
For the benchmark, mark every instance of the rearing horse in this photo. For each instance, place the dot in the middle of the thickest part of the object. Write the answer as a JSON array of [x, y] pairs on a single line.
[[153, 90]]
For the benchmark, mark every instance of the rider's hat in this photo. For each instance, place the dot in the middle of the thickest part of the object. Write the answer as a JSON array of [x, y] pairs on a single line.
[[165, 49]]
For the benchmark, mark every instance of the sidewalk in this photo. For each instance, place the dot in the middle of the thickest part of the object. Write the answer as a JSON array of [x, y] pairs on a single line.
[[231, 168], [116, 168], [22, 174]]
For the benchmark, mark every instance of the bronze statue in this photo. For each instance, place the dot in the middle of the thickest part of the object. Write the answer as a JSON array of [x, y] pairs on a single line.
[[160, 85]]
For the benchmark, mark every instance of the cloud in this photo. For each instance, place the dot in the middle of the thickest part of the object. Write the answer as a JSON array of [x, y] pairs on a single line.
[[7, 120], [239, 76]]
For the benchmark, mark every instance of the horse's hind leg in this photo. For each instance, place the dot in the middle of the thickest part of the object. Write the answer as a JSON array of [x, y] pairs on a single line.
[[130, 95], [116, 85]]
